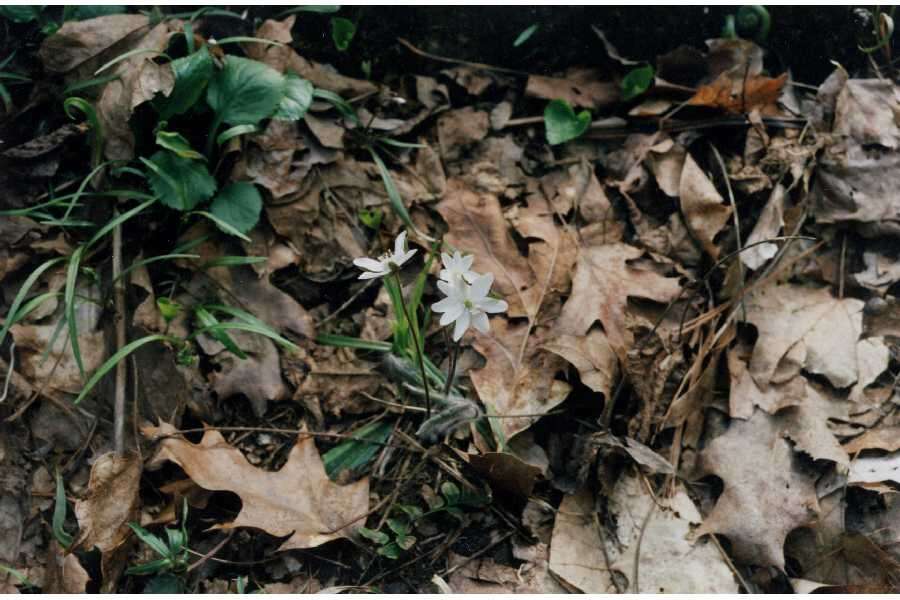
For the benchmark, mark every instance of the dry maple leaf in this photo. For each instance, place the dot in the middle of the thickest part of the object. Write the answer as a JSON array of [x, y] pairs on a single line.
[[736, 94], [576, 548], [765, 496], [299, 500], [603, 282]]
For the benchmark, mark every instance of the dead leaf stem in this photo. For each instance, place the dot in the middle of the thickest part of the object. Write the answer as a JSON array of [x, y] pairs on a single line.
[[121, 340]]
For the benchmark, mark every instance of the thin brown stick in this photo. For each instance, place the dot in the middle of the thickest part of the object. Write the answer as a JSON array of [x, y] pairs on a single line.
[[457, 61], [211, 553], [121, 340]]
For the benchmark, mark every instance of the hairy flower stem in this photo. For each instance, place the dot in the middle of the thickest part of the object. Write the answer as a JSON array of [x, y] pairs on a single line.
[[451, 373], [419, 348]]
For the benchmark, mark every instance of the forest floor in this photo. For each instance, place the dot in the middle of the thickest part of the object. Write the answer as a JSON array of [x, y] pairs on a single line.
[[684, 233]]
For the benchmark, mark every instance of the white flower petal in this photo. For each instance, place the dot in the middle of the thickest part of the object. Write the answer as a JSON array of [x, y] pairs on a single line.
[[490, 305], [481, 323], [481, 285], [445, 304], [446, 259], [371, 275], [369, 264], [402, 258], [452, 314], [467, 262], [453, 289], [400, 243], [462, 323]]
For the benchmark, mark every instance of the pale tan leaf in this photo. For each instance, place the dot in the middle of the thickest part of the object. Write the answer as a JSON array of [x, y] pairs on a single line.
[[592, 355], [78, 41], [766, 494], [702, 206], [579, 87], [63, 573], [297, 501], [669, 559], [769, 225], [576, 548]]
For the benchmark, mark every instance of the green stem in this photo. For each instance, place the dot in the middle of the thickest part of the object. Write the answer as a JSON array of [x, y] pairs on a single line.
[[451, 373], [419, 348], [211, 136]]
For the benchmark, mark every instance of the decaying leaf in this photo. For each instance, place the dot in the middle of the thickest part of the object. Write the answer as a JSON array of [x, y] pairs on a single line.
[[63, 572], [298, 501], [766, 494], [579, 87], [736, 95], [111, 502], [592, 355], [484, 576], [661, 554], [576, 548]]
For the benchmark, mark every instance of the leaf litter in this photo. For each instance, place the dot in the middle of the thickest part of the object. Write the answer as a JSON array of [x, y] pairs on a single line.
[[692, 389]]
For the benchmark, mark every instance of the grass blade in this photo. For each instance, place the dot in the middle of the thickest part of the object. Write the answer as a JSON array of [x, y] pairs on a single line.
[[23, 292], [343, 341], [59, 515], [392, 191], [69, 301], [113, 360], [208, 321]]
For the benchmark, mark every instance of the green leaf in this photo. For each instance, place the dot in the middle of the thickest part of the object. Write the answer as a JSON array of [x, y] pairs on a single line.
[[525, 35], [371, 218], [356, 453], [406, 541], [180, 183], [310, 8], [398, 526], [91, 11], [239, 205], [391, 551], [148, 568], [59, 515], [379, 537], [414, 512], [221, 224], [233, 132], [245, 91], [165, 583], [636, 82], [29, 282], [562, 123], [342, 32], [392, 191], [450, 492], [192, 74], [113, 360], [21, 13], [151, 540], [169, 309], [171, 140], [207, 320], [298, 95], [344, 341], [69, 305]]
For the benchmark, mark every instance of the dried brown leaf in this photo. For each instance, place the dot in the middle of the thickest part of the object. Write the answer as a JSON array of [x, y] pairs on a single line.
[[112, 501], [579, 87], [766, 494], [297, 501], [702, 206], [576, 548]]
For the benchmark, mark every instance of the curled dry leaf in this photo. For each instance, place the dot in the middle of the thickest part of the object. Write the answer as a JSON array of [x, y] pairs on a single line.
[[769, 225], [702, 206], [111, 502], [579, 87], [63, 573], [77, 42], [766, 493], [592, 355], [298, 501], [484, 576]]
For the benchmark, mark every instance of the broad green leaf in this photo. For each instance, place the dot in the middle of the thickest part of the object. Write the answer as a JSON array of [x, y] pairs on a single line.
[[21, 13], [174, 141], [637, 82], [391, 551], [562, 123], [245, 91], [298, 95], [379, 537], [192, 74], [353, 454], [525, 35], [180, 183], [398, 526], [342, 32], [238, 205]]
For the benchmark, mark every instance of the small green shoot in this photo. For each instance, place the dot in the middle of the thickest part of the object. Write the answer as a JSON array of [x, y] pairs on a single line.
[[563, 124], [59, 515], [342, 32], [526, 35], [636, 82], [371, 218]]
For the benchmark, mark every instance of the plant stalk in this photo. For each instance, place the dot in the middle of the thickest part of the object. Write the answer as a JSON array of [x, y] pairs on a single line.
[[419, 348], [121, 340], [451, 373]]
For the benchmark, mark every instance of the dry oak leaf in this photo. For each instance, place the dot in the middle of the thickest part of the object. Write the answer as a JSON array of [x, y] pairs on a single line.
[[579, 87], [809, 327], [517, 377], [592, 355], [79, 41], [766, 495], [576, 548], [63, 573], [603, 282], [112, 501], [701, 204], [671, 561], [734, 93], [297, 501]]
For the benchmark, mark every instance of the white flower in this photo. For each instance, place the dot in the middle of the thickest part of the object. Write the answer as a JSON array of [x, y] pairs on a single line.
[[457, 266], [386, 263], [468, 304]]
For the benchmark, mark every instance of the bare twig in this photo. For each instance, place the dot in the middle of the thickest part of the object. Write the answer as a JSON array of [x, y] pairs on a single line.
[[121, 340], [9, 371]]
